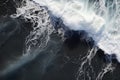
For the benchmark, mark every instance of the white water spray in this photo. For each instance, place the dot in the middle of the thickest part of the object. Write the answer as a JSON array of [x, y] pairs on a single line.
[[99, 18]]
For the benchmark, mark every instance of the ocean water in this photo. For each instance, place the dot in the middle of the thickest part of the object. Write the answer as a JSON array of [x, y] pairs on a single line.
[[73, 39], [100, 19]]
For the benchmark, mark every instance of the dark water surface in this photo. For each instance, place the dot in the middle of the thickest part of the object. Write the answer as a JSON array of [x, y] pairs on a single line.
[[58, 61]]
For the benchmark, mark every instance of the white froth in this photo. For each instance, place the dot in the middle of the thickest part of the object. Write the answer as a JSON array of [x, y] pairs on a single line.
[[99, 20], [38, 38]]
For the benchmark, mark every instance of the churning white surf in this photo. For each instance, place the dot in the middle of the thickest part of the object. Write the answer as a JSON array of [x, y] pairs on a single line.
[[101, 19]]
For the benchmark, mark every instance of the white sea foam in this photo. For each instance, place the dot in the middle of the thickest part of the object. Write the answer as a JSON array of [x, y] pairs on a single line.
[[41, 25], [101, 19], [38, 38]]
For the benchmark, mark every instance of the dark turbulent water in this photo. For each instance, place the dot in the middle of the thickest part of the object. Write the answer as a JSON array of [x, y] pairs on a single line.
[[72, 58]]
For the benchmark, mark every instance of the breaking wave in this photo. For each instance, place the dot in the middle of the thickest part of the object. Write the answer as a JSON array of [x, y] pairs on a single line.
[[99, 18]]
